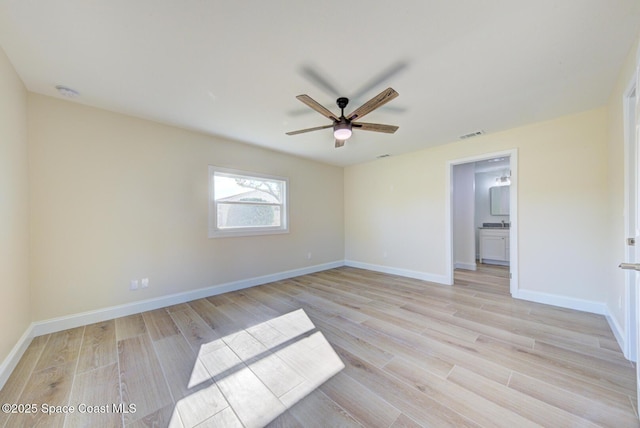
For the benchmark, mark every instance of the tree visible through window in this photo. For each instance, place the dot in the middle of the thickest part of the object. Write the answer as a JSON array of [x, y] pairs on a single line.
[[244, 204]]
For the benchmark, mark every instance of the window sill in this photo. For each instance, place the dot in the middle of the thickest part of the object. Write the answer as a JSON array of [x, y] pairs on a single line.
[[245, 232]]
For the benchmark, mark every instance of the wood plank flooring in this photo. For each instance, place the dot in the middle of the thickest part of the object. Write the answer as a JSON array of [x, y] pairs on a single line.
[[343, 347]]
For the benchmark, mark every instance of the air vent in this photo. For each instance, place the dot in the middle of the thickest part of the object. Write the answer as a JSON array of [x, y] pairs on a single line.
[[67, 92], [471, 135]]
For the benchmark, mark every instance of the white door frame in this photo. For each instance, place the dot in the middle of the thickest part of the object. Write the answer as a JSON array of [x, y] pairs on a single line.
[[513, 213], [631, 200]]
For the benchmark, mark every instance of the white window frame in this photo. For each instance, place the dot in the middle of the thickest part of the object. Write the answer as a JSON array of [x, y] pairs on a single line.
[[215, 232]]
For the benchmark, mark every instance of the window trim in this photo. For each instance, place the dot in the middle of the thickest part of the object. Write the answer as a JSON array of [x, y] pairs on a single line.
[[214, 232]]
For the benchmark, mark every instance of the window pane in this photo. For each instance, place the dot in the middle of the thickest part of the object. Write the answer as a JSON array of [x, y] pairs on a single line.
[[244, 204], [229, 187], [247, 215]]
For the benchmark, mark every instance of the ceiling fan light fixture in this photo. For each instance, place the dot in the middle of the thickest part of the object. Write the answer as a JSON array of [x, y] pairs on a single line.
[[342, 131]]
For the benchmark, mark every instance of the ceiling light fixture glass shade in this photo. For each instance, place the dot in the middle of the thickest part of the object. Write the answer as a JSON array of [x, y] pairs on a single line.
[[342, 131]]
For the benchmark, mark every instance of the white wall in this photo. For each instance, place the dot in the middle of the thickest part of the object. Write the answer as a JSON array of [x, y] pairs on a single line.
[[397, 206], [15, 314], [116, 198], [463, 210]]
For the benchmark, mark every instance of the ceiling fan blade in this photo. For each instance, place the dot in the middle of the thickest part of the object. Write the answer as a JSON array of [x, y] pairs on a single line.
[[376, 127], [339, 143], [375, 102], [319, 80], [302, 131], [380, 78], [317, 106]]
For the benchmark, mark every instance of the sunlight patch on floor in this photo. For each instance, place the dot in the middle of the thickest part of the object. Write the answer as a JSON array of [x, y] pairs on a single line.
[[258, 373]]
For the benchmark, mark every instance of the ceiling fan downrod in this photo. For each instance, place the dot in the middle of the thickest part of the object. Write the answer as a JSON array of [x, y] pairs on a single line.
[[342, 103]]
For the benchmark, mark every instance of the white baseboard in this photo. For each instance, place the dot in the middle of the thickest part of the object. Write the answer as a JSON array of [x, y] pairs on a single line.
[[594, 307], [11, 361], [440, 279], [465, 266], [599, 308], [618, 333], [76, 320], [496, 262]]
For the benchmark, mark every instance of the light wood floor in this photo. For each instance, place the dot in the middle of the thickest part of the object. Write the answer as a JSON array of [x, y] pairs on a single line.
[[406, 353]]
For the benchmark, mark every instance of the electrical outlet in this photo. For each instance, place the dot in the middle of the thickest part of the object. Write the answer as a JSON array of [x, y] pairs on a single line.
[[144, 282], [133, 285], [309, 255]]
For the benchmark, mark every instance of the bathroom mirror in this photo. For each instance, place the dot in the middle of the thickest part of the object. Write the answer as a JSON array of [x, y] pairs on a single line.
[[499, 200]]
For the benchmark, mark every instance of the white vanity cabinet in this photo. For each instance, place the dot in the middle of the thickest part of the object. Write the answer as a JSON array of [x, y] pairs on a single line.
[[494, 246]]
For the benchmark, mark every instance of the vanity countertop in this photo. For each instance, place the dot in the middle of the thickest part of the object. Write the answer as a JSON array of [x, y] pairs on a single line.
[[504, 225]]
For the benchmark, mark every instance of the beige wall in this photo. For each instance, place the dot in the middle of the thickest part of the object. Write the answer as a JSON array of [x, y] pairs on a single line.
[[615, 286], [110, 198], [15, 315], [397, 205], [116, 198]]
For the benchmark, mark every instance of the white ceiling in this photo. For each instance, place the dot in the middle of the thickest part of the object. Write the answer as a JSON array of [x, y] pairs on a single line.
[[233, 68]]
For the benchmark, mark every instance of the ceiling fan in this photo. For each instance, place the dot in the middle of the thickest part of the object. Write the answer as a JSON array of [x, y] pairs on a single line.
[[343, 125]]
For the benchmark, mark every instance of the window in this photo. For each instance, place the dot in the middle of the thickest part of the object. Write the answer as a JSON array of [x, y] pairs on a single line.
[[244, 203]]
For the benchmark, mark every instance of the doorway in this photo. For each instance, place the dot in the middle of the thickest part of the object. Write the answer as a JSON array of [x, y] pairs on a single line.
[[463, 228], [632, 221]]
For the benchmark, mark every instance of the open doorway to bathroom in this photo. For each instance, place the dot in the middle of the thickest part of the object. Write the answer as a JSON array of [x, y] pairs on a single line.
[[483, 205]]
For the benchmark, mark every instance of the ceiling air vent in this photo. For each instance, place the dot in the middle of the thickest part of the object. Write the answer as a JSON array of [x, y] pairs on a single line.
[[471, 135], [67, 92]]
